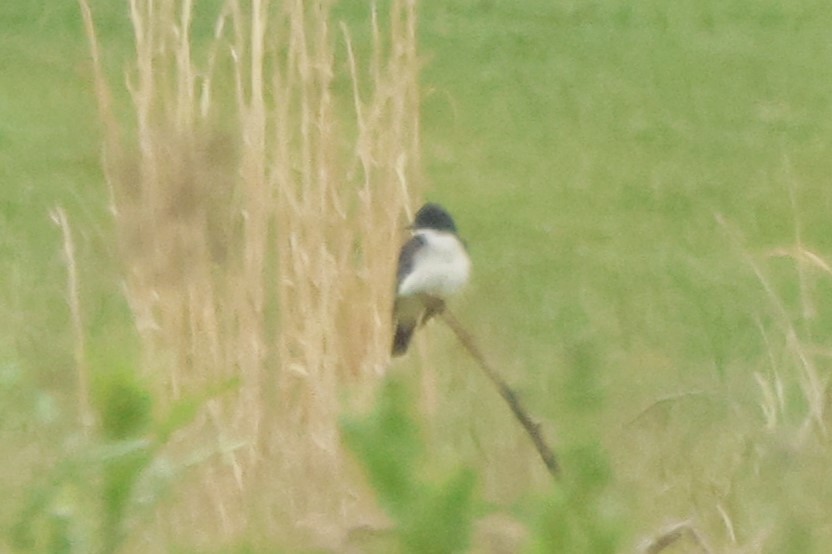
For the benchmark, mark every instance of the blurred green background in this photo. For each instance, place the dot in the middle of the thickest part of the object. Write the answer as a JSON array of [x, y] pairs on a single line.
[[644, 189]]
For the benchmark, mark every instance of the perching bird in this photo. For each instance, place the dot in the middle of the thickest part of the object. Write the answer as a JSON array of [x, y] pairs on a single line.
[[433, 265]]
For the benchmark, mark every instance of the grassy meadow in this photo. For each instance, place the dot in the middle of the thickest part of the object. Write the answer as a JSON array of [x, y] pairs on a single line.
[[643, 187]]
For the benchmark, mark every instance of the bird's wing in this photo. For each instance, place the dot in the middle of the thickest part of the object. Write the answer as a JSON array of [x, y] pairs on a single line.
[[407, 255]]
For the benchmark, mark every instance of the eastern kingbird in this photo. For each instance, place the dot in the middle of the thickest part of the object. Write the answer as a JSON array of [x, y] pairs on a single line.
[[433, 265]]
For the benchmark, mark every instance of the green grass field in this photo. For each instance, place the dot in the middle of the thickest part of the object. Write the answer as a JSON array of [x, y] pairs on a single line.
[[644, 190]]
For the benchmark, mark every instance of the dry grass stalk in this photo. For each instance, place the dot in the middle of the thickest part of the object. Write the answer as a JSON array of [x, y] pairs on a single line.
[[74, 299], [258, 229], [337, 233], [665, 400], [672, 535], [811, 382]]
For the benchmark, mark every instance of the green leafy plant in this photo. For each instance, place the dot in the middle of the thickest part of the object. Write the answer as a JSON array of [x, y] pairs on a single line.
[[432, 515], [581, 514], [92, 496]]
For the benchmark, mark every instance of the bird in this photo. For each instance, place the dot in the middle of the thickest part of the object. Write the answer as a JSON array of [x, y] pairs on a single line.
[[433, 265]]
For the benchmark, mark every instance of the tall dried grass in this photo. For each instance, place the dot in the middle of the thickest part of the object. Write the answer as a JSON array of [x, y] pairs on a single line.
[[258, 222]]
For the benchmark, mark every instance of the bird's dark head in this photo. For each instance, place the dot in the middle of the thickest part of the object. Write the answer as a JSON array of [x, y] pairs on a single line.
[[433, 216]]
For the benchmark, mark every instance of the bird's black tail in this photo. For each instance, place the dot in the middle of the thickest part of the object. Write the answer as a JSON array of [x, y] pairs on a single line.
[[401, 339]]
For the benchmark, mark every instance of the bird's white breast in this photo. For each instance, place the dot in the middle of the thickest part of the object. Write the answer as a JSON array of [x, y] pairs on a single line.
[[440, 267]]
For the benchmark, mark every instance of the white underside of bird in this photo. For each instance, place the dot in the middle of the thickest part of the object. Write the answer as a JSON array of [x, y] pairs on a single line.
[[441, 267]]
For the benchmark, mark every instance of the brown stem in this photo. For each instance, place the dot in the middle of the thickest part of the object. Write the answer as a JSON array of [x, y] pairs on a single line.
[[531, 427], [672, 535]]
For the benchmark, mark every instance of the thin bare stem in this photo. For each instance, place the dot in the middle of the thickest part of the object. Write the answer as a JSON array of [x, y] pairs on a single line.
[[517, 408], [673, 534], [667, 399]]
